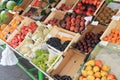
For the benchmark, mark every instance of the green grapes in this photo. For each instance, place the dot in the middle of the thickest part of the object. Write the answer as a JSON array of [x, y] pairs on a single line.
[[41, 59]]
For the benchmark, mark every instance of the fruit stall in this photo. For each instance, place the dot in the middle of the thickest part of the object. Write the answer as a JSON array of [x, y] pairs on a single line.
[[64, 39]]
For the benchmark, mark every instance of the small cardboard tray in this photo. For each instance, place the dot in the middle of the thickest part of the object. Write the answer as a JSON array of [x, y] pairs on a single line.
[[70, 64]]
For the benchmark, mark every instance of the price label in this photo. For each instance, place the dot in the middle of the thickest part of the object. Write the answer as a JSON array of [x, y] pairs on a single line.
[[116, 18], [95, 23], [104, 43]]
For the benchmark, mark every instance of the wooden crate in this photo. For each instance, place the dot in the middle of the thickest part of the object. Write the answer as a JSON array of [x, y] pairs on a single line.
[[113, 5], [101, 4], [55, 14], [91, 28], [25, 22], [10, 17], [12, 35], [56, 30], [13, 24], [25, 3], [70, 64], [99, 7], [94, 29], [115, 24], [67, 2]]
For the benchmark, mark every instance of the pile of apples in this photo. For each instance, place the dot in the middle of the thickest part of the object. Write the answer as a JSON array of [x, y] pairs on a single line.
[[87, 7], [73, 22], [96, 70], [19, 37]]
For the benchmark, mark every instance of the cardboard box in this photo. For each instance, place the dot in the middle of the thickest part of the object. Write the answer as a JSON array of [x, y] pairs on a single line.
[[70, 64]]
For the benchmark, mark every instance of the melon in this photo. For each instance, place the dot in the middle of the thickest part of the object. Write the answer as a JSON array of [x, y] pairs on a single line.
[[3, 15], [3, 4], [10, 5]]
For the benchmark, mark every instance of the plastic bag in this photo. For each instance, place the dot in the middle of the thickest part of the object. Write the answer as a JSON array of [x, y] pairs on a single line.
[[8, 57], [1, 42]]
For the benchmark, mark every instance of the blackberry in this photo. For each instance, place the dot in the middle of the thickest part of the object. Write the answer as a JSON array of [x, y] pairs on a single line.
[[64, 45], [65, 77], [55, 42]]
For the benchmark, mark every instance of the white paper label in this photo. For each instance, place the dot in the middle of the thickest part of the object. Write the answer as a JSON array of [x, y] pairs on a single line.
[[88, 18], [116, 18], [104, 43], [65, 34], [94, 22], [53, 9], [70, 11]]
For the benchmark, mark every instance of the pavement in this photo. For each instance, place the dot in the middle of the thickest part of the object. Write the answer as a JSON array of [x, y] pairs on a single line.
[[12, 72]]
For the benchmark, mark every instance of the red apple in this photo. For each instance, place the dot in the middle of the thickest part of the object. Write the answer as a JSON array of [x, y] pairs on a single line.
[[78, 11], [79, 4]]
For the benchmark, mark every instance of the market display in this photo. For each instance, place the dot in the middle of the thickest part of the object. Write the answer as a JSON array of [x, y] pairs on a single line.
[[65, 40]]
